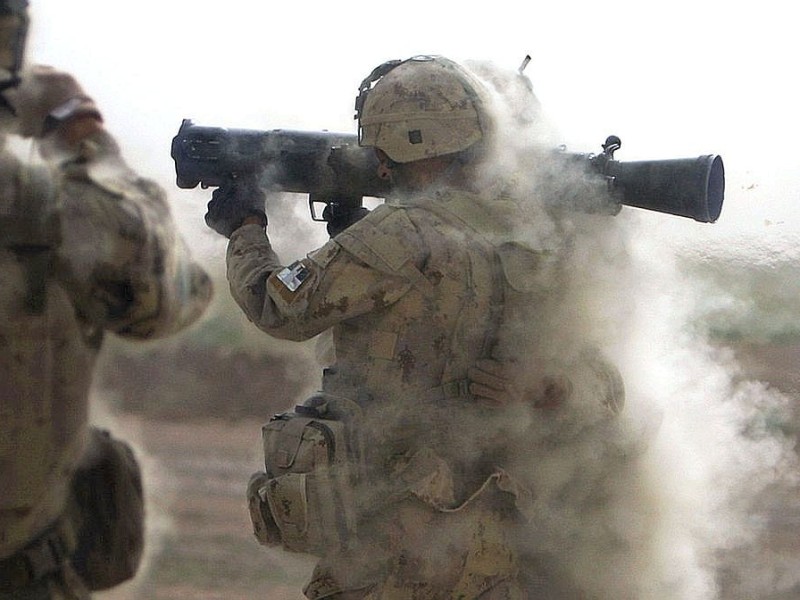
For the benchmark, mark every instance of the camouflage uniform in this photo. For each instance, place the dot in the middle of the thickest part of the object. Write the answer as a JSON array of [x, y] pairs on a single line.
[[86, 246], [413, 294], [419, 295]]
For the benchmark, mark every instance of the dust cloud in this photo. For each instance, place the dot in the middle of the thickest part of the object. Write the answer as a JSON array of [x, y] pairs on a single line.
[[675, 499]]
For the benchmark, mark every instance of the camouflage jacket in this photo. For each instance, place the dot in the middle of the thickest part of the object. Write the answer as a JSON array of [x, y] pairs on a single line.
[[86, 246], [413, 294]]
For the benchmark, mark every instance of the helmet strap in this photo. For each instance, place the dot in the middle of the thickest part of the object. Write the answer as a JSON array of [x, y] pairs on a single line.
[[366, 85]]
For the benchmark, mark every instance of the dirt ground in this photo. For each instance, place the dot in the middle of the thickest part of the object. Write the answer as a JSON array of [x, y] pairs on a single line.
[[200, 542]]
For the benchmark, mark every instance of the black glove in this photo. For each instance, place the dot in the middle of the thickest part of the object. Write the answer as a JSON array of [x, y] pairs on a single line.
[[232, 202], [340, 220]]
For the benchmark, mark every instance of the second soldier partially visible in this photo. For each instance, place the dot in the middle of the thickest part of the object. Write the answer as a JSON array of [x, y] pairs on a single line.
[[87, 248]]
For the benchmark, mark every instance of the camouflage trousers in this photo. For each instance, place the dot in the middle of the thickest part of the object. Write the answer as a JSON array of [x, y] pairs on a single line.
[[420, 543], [507, 590], [420, 550]]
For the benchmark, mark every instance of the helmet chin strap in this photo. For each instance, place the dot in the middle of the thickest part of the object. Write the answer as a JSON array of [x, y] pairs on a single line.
[[11, 82]]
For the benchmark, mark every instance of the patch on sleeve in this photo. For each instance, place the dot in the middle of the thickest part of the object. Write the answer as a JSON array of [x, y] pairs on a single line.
[[293, 276]]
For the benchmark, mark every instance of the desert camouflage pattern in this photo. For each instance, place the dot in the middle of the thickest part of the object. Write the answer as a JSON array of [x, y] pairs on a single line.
[[426, 106], [414, 294], [403, 290], [86, 247]]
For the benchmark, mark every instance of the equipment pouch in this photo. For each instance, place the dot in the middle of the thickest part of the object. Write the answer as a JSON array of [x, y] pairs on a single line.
[[264, 527], [107, 508], [305, 499]]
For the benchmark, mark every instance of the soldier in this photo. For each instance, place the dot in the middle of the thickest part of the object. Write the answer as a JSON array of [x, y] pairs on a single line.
[[87, 246], [394, 474]]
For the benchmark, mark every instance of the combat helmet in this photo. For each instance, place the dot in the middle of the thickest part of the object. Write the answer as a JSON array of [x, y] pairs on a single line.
[[422, 107], [13, 34]]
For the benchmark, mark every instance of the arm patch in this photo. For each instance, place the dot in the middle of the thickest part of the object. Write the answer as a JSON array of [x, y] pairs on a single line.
[[293, 276]]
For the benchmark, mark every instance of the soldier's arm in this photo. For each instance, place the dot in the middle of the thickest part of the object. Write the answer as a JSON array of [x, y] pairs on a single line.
[[120, 255], [120, 252], [332, 284]]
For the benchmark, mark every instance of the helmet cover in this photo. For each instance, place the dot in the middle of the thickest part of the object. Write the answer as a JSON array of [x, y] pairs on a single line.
[[420, 108]]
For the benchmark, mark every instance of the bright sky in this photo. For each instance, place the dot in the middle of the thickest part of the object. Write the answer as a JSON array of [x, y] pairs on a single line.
[[672, 79]]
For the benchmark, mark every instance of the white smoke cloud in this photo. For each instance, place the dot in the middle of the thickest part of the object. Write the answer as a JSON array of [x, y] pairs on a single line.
[[686, 519], [717, 454]]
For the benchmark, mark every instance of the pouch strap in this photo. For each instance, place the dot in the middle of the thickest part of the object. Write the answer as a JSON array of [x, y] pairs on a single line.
[[42, 557]]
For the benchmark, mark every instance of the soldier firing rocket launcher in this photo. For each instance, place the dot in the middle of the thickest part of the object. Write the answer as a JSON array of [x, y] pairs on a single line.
[[336, 172]]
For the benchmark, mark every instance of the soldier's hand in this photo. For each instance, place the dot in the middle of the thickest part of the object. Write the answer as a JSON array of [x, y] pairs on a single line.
[[338, 223], [45, 98], [490, 384], [493, 383], [234, 202]]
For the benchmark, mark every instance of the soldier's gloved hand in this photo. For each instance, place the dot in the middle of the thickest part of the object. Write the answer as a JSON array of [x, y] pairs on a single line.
[[45, 98], [492, 384], [337, 223], [234, 202]]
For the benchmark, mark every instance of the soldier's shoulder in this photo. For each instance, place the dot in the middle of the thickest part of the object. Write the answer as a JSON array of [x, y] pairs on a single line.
[[386, 238], [384, 211], [386, 224], [120, 180]]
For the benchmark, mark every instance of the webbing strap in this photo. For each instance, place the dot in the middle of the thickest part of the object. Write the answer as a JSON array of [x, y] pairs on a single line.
[[42, 557], [31, 229], [483, 247]]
